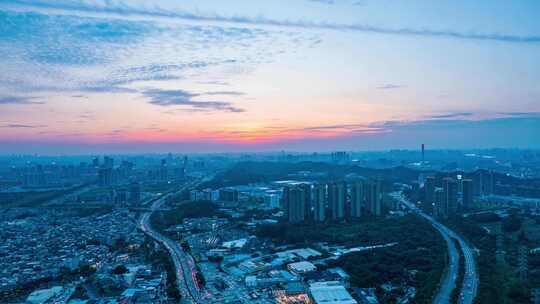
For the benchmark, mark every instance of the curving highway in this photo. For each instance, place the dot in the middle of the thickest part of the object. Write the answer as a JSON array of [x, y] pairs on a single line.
[[186, 279], [470, 278]]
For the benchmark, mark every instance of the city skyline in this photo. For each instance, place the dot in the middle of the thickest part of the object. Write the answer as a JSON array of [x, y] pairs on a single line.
[[303, 75]]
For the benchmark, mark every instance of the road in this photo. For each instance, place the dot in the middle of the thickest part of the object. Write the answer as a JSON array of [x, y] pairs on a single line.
[[183, 263], [470, 279]]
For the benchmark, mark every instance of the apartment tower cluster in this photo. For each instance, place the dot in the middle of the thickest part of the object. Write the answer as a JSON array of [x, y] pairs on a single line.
[[336, 201]]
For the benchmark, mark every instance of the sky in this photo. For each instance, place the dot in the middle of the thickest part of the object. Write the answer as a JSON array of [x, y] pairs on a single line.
[[128, 76]]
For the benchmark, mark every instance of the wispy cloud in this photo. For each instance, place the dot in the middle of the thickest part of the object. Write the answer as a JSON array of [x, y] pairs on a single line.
[[116, 132], [21, 126], [104, 88], [225, 93], [86, 117], [155, 129], [215, 82], [323, 1], [450, 120], [334, 127], [70, 40], [332, 2], [520, 114], [390, 86], [184, 98], [122, 8], [451, 115], [24, 100], [43, 50]]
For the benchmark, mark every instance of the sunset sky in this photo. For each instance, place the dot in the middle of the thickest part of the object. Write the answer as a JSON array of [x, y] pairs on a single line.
[[301, 75]]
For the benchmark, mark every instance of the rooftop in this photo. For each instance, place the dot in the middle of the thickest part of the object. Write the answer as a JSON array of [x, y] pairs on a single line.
[[330, 293]]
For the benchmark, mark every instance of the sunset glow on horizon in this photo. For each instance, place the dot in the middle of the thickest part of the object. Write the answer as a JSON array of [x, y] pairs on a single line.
[[205, 76]]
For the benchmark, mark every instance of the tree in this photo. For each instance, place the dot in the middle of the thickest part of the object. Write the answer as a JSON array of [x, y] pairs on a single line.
[[120, 269], [522, 237], [519, 293], [86, 271], [119, 243], [173, 292], [512, 223], [185, 246], [200, 278]]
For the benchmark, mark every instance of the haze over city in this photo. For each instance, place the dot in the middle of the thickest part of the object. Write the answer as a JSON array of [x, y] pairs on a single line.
[[269, 152], [199, 76]]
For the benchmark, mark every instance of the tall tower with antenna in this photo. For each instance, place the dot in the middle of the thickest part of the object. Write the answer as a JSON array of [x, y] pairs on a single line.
[[423, 153]]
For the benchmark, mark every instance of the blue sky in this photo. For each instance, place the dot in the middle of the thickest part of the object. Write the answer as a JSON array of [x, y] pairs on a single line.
[[199, 76]]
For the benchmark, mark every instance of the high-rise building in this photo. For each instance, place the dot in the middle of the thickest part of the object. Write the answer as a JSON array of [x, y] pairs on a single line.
[[373, 198], [285, 201], [467, 193], [135, 193], [483, 182], [208, 195], [340, 157], [108, 162], [271, 201], [477, 183], [307, 201], [423, 153], [125, 170], [429, 190], [357, 199], [179, 173], [450, 188], [163, 170], [195, 195], [489, 183], [35, 177], [185, 163], [337, 197], [319, 203], [228, 195], [105, 177], [439, 208], [297, 205], [120, 197]]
